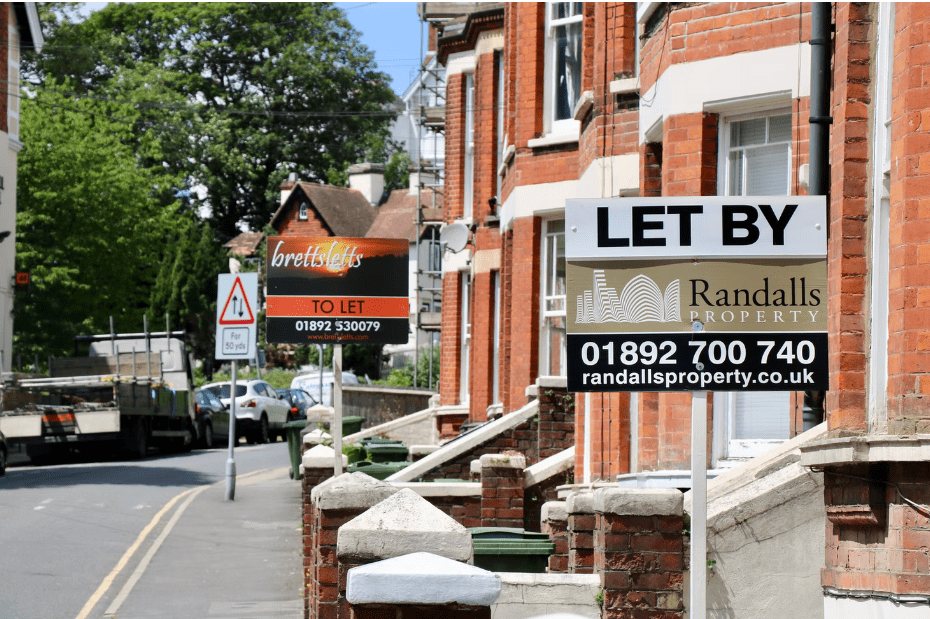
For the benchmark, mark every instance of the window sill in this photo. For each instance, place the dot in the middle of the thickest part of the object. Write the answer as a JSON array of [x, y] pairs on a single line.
[[553, 139], [624, 86], [584, 105]]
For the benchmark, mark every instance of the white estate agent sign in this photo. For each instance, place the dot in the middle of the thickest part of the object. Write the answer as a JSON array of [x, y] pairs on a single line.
[[236, 311], [698, 293]]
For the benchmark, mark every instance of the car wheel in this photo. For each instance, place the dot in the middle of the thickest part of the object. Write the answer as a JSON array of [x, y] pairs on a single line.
[[2, 461], [207, 436], [263, 435]]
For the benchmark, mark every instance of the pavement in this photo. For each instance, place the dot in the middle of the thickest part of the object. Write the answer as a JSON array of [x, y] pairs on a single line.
[[223, 559]]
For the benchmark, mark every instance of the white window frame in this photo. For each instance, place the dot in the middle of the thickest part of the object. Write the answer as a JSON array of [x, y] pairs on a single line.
[[548, 252], [303, 211], [496, 338], [881, 219], [468, 174], [723, 155], [499, 120], [464, 336], [726, 445], [566, 126]]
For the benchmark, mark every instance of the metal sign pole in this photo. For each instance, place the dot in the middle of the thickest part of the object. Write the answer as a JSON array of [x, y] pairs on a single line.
[[698, 562], [231, 458], [336, 427]]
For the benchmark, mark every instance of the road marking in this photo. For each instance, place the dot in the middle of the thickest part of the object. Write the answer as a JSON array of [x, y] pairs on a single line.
[[107, 582], [144, 563]]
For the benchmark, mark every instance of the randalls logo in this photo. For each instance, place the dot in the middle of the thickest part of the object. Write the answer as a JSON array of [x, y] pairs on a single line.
[[641, 300]]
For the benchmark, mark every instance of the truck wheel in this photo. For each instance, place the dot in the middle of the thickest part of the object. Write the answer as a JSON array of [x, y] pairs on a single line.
[[138, 440], [2, 461]]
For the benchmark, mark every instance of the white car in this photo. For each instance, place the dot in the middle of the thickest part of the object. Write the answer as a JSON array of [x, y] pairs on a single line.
[[310, 382], [260, 411]]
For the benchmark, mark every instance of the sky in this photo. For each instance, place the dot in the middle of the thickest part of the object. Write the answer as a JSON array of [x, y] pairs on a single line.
[[390, 29]]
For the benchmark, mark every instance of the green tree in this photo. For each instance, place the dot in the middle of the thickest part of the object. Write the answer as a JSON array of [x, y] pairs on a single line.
[[89, 220], [185, 287], [237, 95]]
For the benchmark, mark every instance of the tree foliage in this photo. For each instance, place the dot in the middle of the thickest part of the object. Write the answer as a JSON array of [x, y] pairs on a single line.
[[88, 221], [239, 94]]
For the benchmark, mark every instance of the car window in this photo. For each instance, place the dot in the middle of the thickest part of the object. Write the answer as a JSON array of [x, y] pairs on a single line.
[[222, 391], [201, 397], [271, 392], [215, 401], [259, 388]]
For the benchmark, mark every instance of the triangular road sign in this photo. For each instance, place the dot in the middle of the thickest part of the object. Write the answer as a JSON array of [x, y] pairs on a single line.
[[238, 309]]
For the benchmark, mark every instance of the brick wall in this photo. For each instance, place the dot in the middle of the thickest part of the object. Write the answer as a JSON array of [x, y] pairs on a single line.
[[708, 30], [502, 490], [523, 344], [848, 226], [312, 226], [464, 510], [450, 339], [875, 540], [522, 439], [909, 303]]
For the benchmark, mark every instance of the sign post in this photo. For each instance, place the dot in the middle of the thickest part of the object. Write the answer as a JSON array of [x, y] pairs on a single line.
[[335, 290], [696, 294], [236, 297]]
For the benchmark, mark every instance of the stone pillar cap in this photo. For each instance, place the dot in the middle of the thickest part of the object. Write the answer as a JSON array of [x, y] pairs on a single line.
[[424, 579], [316, 437], [554, 510], [503, 461], [639, 501], [350, 491], [580, 503], [321, 457], [475, 466], [402, 524]]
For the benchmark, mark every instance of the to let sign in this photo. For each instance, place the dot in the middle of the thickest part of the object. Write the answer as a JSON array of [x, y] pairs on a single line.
[[702, 293], [337, 290]]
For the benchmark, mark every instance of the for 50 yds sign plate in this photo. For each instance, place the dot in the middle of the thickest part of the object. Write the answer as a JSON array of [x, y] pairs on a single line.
[[335, 290], [681, 294]]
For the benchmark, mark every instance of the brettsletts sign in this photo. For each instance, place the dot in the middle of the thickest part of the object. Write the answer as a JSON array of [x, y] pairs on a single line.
[[336, 290], [696, 293]]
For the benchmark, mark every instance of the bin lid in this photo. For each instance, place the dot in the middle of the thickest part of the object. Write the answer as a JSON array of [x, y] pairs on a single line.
[[505, 533], [352, 418], [380, 466], [512, 547], [386, 449], [299, 424], [380, 440]]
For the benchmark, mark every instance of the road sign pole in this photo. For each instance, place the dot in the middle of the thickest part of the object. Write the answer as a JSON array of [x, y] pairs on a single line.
[[336, 427], [698, 562], [231, 458]]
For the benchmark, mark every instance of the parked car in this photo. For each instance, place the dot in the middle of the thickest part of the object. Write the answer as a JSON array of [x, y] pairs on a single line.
[[211, 417], [300, 402], [310, 382], [3, 454], [260, 411]]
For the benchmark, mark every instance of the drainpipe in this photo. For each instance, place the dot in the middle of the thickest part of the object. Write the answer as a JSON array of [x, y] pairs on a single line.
[[820, 121]]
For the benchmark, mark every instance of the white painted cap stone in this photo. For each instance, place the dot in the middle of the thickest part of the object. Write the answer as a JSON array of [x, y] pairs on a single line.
[[402, 524], [321, 457], [350, 491], [639, 501], [316, 437], [422, 578], [554, 510], [503, 461], [580, 503]]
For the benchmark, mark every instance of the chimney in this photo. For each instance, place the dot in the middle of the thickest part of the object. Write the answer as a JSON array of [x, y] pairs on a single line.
[[288, 186], [368, 178]]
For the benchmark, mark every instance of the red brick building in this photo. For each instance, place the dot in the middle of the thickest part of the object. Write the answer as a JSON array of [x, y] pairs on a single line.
[[549, 101]]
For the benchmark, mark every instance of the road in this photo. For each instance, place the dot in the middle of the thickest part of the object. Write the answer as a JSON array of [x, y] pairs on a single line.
[[151, 538]]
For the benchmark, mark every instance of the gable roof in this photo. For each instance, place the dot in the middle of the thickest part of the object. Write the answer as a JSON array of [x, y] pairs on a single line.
[[344, 211], [244, 244], [397, 217]]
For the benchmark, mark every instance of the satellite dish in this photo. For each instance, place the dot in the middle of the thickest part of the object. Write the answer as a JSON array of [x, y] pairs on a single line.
[[454, 237]]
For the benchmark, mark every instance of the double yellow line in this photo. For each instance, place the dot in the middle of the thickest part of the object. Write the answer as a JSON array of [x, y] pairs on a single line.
[[188, 497]]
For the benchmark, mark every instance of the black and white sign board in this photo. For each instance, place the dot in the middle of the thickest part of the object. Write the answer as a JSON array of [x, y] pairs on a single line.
[[236, 312], [698, 293]]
